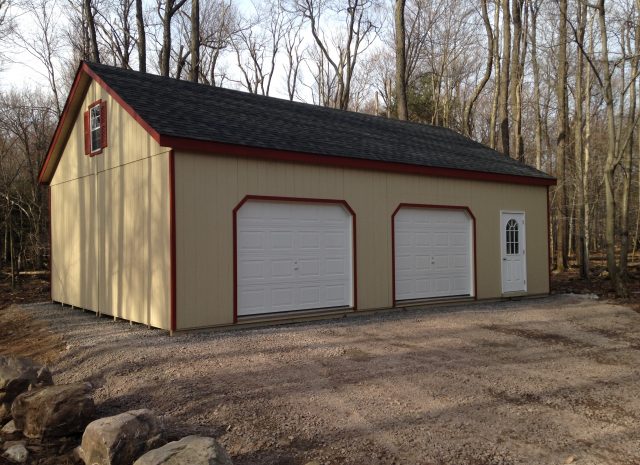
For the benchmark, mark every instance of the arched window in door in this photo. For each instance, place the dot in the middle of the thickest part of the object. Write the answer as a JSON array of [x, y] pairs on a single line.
[[513, 241]]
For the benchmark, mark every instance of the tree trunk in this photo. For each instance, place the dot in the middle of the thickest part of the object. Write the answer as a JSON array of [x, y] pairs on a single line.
[[627, 158], [401, 61], [515, 78], [581, 254], [142, 38], [468, 109], [536, 84], [561, 147], [503, 95], [91, 27], [165, 52], [610, 161], [496, 91], [194, 73]]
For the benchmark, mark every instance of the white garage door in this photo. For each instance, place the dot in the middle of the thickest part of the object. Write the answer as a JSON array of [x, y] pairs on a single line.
[[433, 253], [293, 256]]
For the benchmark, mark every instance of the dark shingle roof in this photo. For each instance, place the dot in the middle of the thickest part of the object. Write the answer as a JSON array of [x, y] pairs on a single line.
[[201, 112]]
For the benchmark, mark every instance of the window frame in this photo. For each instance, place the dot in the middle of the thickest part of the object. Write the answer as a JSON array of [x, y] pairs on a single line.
[[100, 107]]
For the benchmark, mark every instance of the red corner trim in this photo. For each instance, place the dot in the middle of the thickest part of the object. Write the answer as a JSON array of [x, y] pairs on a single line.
[[50, 247], [300, 157], [247, 198], [172, 239], [432, 207]]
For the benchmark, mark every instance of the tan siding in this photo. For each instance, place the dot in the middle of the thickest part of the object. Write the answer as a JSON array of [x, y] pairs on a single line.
[[114, 259], [134, 246], [74, 264], [209, 187]]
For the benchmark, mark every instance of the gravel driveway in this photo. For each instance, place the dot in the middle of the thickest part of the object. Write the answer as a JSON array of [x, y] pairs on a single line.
[[529, 382]]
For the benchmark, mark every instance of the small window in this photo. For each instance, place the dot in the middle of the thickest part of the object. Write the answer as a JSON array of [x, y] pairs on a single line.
[[96, 129], [512, 242]]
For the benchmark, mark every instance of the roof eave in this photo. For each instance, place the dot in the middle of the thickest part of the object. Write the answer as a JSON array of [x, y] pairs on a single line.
[[186, 144]]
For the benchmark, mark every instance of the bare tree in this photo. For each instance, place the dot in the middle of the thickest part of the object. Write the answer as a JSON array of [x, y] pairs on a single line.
[[194, 72], [294, 51], [348, 43], [88, 15], [561, 147], [503, 93], [401, 60], [142, 37], [487, 71], [115, 28], [43, 42], [579, 156], [166, 11]]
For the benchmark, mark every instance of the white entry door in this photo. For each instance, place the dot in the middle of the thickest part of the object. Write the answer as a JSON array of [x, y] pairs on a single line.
[[293, 256], [433, 253], [513, 242]]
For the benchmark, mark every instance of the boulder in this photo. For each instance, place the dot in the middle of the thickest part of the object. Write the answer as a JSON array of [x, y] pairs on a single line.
[[5, 413], [192, 450], [121, 439], [10, 428], [54, 411], [16, 453], [18, 374]]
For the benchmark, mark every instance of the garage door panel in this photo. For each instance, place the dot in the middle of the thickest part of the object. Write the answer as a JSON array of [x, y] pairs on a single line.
[[433, 255], [306, 258], [280, 269]]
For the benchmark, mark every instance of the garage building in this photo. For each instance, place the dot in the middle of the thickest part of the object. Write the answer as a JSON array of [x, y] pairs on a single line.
[[182, 205]]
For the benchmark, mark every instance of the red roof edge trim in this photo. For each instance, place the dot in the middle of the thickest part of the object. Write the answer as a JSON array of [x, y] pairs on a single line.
[[180, 143], [63, 117]]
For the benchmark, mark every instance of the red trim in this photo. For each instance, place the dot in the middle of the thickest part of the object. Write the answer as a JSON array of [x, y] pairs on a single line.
[[433, 207], [344, 203], [50, 248], [330, 160], [549, 239], [63, 118], [121, 102], [104, 118], [86, 119], [172, 237]]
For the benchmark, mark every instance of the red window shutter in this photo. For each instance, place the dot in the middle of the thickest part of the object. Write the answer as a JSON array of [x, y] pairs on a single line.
[[87, 134], [103, 123]]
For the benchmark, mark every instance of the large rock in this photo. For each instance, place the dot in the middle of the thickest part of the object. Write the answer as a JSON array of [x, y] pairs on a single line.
[[121, 439], [17, 375], [5, 413], [16, 453], [9, 428], [54, 411], [192, 450]]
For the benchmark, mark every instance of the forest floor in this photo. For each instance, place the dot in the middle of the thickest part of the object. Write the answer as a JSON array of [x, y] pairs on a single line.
[[542, 381]]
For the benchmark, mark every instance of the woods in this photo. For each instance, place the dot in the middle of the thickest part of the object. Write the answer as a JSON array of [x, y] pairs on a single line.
[[550, 83]]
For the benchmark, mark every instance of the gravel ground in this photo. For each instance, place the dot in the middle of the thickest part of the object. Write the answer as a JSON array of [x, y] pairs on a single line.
[[548, 381]]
